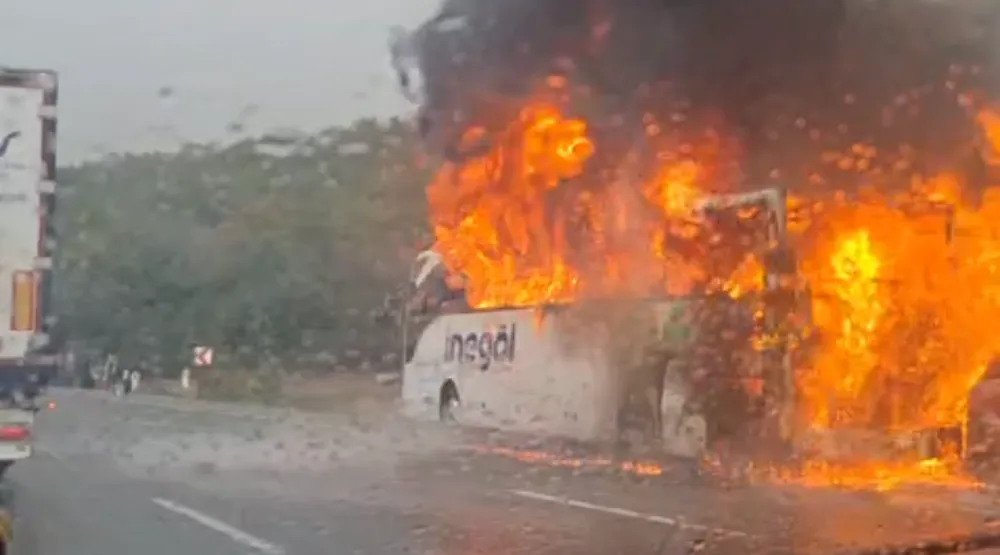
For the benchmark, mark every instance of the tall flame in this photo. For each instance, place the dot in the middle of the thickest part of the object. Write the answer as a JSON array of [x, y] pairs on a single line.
[[518, 219], [846, 370], [490, 213]]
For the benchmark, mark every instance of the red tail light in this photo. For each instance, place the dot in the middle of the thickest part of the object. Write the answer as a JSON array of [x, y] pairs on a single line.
[[14, 433]]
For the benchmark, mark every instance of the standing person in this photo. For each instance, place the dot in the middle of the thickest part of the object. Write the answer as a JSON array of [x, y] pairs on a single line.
[[134, 380], [119, 377], [118, 383], [110, 370], [85, 373], [126, 381]]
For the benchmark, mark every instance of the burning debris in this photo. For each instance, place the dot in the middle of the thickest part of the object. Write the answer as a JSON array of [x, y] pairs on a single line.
[[579, 139]]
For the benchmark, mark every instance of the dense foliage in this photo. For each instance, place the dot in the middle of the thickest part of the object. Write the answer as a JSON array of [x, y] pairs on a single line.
[[276, 251]]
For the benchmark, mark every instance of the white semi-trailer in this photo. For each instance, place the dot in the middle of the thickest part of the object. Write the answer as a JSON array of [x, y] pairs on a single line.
[[28, 355]]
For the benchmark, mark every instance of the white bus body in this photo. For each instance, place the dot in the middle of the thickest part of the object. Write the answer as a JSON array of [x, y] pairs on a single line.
[[518, 370], [510, 372]]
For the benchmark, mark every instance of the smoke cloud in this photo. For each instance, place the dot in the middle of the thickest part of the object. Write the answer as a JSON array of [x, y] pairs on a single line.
[[786, 80]]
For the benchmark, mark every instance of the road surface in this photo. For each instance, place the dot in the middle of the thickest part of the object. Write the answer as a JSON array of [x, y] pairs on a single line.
[[161, 476]]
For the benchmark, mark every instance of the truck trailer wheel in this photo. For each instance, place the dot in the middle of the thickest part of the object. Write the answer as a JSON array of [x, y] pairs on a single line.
[[449, 401]]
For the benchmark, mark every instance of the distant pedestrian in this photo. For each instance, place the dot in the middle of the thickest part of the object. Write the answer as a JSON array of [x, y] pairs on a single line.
[[121, 382]]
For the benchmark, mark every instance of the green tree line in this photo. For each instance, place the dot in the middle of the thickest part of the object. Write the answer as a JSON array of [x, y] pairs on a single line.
[[278, 252]]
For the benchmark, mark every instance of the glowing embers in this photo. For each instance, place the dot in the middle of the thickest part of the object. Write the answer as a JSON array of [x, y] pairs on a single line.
[[875, 475], [639, 468]]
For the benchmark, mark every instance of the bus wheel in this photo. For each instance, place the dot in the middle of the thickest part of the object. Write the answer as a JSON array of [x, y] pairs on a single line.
[[449, 402]]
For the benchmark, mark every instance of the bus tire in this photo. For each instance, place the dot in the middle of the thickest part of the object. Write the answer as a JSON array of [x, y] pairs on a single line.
[[449, 401]]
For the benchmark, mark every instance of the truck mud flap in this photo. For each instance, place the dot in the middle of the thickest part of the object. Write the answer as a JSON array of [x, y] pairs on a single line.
[[6, 517], [6, 530]]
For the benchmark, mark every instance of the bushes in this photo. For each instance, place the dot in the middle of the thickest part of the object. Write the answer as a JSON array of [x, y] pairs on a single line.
[[264, 257], [239, 385]]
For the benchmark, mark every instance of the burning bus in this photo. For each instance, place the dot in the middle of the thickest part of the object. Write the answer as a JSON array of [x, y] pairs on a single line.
[[746, 359], [713, 358], [587, 277], [844, 329]]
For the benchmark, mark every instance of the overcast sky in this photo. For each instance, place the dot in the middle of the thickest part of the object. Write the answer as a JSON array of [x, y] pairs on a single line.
[[305, 63]]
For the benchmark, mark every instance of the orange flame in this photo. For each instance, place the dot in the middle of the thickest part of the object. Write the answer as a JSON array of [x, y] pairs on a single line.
[[638, 468], [502, 241], [503, 219]]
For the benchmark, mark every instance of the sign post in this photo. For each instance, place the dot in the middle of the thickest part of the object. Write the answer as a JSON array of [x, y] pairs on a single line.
[[203, 356]]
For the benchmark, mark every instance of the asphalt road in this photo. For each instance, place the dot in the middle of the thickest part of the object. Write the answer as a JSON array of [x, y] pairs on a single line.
[[153, 475]]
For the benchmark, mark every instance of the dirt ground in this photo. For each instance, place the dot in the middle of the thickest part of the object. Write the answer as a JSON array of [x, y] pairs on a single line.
[[355, 392], [348, 392]]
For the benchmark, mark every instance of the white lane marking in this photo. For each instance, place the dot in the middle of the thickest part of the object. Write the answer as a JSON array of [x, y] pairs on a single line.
[[234, 533], [678, 522]]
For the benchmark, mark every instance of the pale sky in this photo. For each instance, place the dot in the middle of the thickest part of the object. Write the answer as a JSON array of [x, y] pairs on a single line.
[[306, 64]]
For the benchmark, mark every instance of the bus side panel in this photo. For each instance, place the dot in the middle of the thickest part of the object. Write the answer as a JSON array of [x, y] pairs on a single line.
[[424, 374], [561, 387], [512, 371]]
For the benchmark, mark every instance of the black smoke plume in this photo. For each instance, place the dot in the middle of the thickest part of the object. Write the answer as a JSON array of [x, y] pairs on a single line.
[[788, 79]]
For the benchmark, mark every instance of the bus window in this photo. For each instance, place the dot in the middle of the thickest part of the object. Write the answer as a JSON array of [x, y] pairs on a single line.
[[731, 230]]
